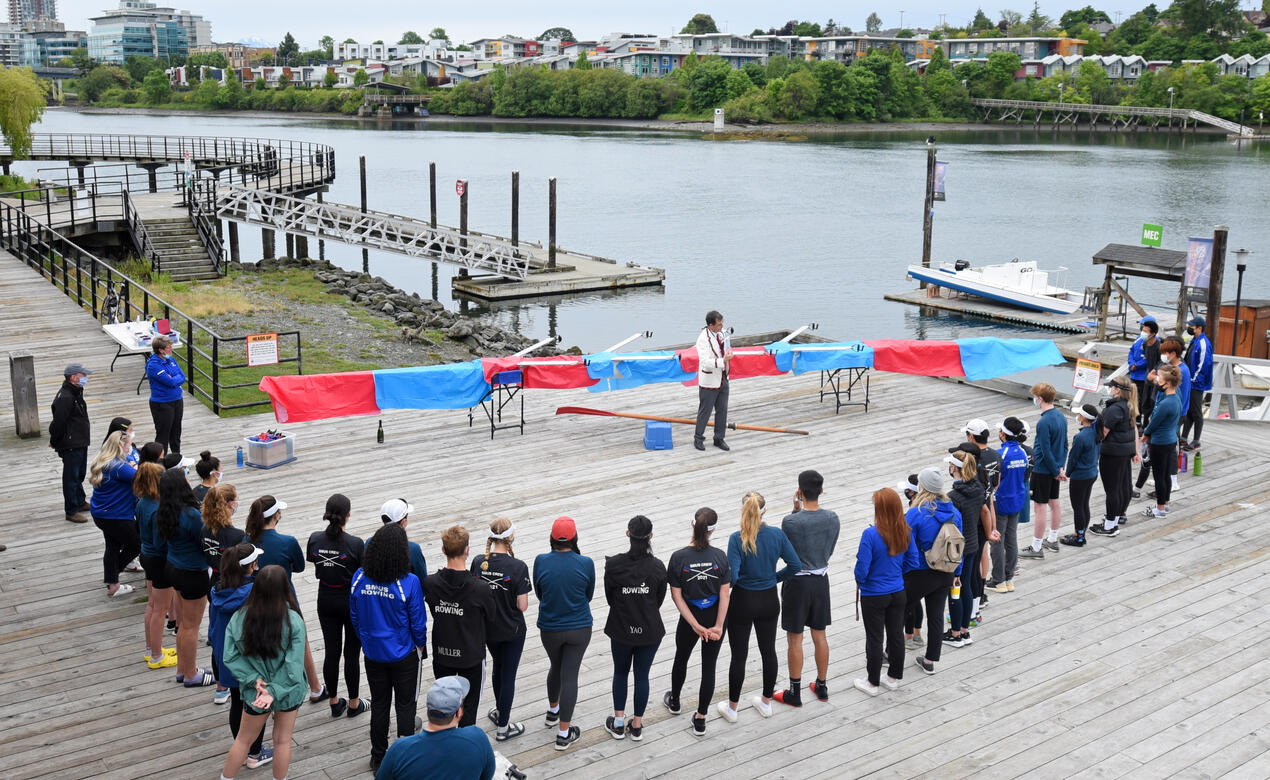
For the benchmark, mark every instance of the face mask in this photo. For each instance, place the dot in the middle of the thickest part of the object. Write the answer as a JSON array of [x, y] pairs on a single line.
[[186, 470], [1036, 402], [1146, 334], [83, 381], [1190, 331], [217, 474]]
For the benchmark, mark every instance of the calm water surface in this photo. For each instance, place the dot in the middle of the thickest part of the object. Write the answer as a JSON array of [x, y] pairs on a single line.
[[774, 234]]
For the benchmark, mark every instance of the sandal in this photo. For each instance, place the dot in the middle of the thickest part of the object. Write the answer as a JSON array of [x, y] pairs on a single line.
[[338, 708], [361, 707], [122, 590], [201, 679], [512, 730]]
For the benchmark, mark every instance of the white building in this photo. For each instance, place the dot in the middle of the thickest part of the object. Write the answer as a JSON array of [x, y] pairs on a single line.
[[384, 52]]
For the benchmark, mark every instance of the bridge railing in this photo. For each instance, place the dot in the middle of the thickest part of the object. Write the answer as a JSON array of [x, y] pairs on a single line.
[[1098, 108]]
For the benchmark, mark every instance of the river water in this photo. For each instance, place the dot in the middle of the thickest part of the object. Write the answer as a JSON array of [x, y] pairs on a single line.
[[773, 233]]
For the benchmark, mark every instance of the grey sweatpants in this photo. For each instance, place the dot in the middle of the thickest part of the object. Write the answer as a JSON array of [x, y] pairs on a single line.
[[564, 651], [1005, 553], [712, 399]]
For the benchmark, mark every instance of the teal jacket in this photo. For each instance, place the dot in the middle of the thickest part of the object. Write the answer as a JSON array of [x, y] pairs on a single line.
[[283, 672]]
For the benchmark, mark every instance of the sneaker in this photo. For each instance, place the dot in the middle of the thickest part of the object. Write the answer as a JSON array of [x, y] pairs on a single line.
[[1073, 540], [671, 702], [563, 743], [1136, 494], [726, 712], [509, 731], [552, 719], [889, 682], [698, 727], [924, 665], [165, 661], [171, 627], [339, 708], [914, 642], [636, 733], [257, 760], [492, 715], [1122, 521], [1186, 446], [864, 685], [1151, 494], [1028, 552], [965, 638], [361, 707], [788, 697], [201, 679], [999, 587], [1051, 546], [950, 639], [615, 730], [221, 696], [134, 566], [120, 591], [1102, 530], [1159, 513], [77, 517], [820, 689], [764, 709], [315, 697]]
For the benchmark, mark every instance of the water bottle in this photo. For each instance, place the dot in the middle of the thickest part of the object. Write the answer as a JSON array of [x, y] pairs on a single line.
[[1199, 464], [379, 435], [240, 456], [1183, 463]]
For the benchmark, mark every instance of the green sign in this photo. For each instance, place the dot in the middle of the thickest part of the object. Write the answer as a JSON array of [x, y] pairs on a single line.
[[1152, 234]]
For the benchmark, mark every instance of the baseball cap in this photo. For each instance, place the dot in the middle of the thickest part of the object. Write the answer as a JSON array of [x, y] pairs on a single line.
[[1198, 320], [446, 695], [968, 448], [976, 427], [395, 509], [1147, 318], [76, 368], [563, 529], [1121, 382]]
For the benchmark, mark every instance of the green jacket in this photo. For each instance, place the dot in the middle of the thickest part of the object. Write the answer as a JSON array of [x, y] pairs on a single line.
[[283, 674]]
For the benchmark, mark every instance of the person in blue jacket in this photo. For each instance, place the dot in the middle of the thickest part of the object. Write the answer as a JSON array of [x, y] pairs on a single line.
[[1011, 501], [931, 509], [879, 575], [1144, 356], [237, 565], [385, 603], [114, 508], [154, 560], [1048, 470], [180, 523], [167, 406], [1082, 472], [1160, 436], [1199, 361]]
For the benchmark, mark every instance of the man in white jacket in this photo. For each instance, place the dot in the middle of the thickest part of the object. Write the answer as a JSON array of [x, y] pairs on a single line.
[[714, 354]]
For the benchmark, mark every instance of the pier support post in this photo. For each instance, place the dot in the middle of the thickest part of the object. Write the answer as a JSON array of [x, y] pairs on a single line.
[[234, 256], [361, 164], [515, 208], [432, 219], [321, 243], [290, 245], [26, 407], [928, 208], [463, 224], [301, 246], [1212, 312], [79, 174], [551, 222], [152, 175], [266, 243]]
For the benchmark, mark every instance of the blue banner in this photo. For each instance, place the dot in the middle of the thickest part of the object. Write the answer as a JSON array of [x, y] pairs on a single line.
[[629, 374], [988, 358], [821, 357], [448, 386]]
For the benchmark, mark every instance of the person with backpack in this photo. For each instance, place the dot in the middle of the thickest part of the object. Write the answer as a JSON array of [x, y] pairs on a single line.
[[879, 576], [933, 559], [968, 496], [1117, 450], [1082, 472], [634, 587], [1011, 501]]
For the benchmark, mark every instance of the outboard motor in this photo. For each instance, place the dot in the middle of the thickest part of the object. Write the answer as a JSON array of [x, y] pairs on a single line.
[[961, 265]]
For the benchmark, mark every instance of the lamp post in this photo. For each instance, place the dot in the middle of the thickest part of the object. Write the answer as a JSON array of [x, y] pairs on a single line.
[[1170, 98], [1241, 264]]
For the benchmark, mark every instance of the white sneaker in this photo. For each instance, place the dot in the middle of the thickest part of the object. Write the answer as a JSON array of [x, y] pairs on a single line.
[[864, 685], [727, 712], [763, 709], [890, 683]]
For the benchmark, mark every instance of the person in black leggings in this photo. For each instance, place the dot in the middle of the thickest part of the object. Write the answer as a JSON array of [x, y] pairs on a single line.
[[753, 553], [700, 586], [336, 556], [508, 580], [564, 581], [635, 587]]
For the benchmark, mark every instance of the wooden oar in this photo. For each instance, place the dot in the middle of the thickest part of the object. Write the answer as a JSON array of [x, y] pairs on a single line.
[[681, 420]]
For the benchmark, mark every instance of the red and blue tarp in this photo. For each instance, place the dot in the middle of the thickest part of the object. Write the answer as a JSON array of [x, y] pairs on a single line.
[[464, 385]]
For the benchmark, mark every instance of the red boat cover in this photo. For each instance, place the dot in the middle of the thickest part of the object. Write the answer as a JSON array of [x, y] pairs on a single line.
[[746, 362], [924, 358], [538, 376], [319, 396]]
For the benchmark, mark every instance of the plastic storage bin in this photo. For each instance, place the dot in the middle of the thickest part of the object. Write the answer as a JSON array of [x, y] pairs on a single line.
[[657, 436], [270, 454]]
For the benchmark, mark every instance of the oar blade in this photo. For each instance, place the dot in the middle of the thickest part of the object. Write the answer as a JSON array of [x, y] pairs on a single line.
[[583, 410]]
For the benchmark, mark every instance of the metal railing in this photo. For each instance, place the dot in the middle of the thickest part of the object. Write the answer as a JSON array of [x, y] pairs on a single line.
[[88, 281], [1233, 128], [205, 222]]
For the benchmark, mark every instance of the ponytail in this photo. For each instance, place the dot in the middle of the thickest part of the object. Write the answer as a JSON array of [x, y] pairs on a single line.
[[256, 520], [752, 507], [640, 530], [337, 508], [499, 526], [702, 523]]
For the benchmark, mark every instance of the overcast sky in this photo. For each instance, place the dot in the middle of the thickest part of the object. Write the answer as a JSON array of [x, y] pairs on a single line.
[[308, 21]]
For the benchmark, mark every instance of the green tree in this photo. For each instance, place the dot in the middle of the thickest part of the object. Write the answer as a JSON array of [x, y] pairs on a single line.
[[691, 62], [230, 95], [205, 94], [1255, 43], [906, 97], [410, 37], [102, 78], [21, 106], [350, 40], [557, 34], [1038, 22], [214, 59], [700, 24], [873, 24], [156, 88], [756, 73], [1000, 69], [330, 79], [327, 44], [1261, 96], [1093, 85], [980, 22], [905, 33], [835, 100], [260, 85], [737, 84], [1072, 20], [361, 78], [288, 50], [284, 80], [438, 34], [811, 29], [707, 84], [938, 62], [1206, 17], [800, 96], [582, 63], [79, 59], [862, 86], [139, 66]]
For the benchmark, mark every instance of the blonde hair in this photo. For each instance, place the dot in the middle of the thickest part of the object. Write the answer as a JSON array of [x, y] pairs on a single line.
[[969, 466], [216, 513], [500, 525], [752, 507], [146, 483], [111, 450], [925, 497], [1171, 376]]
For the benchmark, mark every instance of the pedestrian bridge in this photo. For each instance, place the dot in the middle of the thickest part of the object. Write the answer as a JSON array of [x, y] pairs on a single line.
[[1117, 117]]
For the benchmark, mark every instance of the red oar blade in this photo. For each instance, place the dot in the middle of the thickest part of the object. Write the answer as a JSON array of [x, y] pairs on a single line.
[[583, 410]]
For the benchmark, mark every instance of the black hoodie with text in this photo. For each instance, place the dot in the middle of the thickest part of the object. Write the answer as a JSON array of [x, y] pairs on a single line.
[[635, 589], [461, 612]]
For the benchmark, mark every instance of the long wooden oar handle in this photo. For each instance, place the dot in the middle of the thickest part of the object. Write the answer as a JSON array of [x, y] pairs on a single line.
[[736, 427], [679, 420]]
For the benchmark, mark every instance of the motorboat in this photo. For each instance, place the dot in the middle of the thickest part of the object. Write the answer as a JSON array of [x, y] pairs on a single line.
[[1016, 283]]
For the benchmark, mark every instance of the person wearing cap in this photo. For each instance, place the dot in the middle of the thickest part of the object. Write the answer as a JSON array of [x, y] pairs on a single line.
[[1082, 472], [1117, 449], [700, 586], [69, 433], [564, 581], [879, 577], [634, 587], [1199, 361], [385, 603], [167, 406], [114, 510], [229, 592], [397, 510], [336, 555], [443, 750], [813, 532], [1144, 356], [1048, 470], [509, 585], [1161, 436], [125, 425], [931, 509], [714, 358], [1011, 500], [968, 496], [988, 472], [462, 610]]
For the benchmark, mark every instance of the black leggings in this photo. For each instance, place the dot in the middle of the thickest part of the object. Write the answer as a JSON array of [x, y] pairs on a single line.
[[167, 423], [932, 587], [473, 675], [1116, 472], [337, 629], [1079, 491], [236, 719], [1163, 467], [564, 651], [123, 543], [685, 640], [506, 659], [883, 615], [758, 610], [913, 617]]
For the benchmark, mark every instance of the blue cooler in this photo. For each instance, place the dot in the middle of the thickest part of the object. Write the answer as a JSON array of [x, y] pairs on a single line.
[[657, 436]]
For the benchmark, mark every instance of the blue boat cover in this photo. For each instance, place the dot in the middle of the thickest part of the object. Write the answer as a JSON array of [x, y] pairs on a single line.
[[988, 358], [447, 386], [628, 374], [826, 357]]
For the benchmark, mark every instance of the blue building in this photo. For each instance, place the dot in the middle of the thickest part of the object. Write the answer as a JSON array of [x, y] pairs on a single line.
[[139, 27]]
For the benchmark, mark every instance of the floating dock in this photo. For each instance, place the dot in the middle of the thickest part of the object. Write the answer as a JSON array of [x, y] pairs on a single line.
[[574, 273]]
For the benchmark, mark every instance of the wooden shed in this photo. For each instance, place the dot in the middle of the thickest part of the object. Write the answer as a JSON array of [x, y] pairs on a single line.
[[1147, 262]]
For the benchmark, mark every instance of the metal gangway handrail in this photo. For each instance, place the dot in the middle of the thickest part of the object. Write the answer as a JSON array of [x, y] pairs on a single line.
[[1098, 108]]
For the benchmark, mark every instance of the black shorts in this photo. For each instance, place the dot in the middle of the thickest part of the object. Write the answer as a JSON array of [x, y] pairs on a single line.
[[805, 603], [156, 571], [250, 710], [1044, 488], [192, 585]]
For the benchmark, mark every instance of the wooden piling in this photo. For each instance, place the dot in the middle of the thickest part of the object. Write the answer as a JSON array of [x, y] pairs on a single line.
[[1217, 270], [26, 407], [290, 245], [928, 208], [234, 255], [301, 246], [515, 208], [361, 164], [463, 223], [266, 243], [551, 222], [432, 193], [321, 243]]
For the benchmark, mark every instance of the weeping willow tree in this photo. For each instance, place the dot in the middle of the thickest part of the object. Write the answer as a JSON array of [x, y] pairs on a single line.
[[21, 106]]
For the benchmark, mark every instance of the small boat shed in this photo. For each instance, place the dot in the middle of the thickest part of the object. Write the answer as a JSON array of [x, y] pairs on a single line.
[[1143, 261]]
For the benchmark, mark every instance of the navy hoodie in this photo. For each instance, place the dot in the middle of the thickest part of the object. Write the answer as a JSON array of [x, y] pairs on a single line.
[[224, 604]]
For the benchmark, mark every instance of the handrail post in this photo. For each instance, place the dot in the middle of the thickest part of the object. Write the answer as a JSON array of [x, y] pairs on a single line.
[[215, 375], [189, 350], [299, 354]]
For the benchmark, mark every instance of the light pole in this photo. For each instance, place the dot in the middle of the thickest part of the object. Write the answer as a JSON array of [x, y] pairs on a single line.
[[901, 20], [1241, 264], [1170, 99]]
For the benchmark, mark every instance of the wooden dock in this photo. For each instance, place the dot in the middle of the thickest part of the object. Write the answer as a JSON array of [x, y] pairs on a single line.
[[1141, 656], [574, 273]]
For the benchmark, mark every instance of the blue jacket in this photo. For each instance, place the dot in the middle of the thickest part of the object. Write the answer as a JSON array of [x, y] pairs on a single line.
[[924, 523], [1050, 450], [1162, 429], [758, 571], [1082, 461], [166, 378], [564, 583], [877, 572], [152, 544], [1138, 360], [281, 550], [113, 498], [390, 618], [224, 604], [1183, 389], [1199, 359], [1012, 492], [185, 549]]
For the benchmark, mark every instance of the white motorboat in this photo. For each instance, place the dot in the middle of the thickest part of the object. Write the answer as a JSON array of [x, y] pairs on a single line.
[[1017, 283]]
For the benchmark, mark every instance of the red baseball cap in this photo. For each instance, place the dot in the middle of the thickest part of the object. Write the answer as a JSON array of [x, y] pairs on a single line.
[[563, 529]]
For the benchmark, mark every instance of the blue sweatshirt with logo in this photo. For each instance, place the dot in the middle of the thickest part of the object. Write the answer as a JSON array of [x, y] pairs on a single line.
[[113, 498], [166, 378], [390, 617], [924, 523], [877, 572], [1012, 492], [1082, 460], [185, 549]]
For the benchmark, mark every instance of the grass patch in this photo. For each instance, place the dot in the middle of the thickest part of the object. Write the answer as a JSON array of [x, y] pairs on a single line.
[[701, 116]]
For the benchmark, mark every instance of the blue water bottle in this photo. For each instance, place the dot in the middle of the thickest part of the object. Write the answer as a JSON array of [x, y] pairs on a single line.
[[240, 456]]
